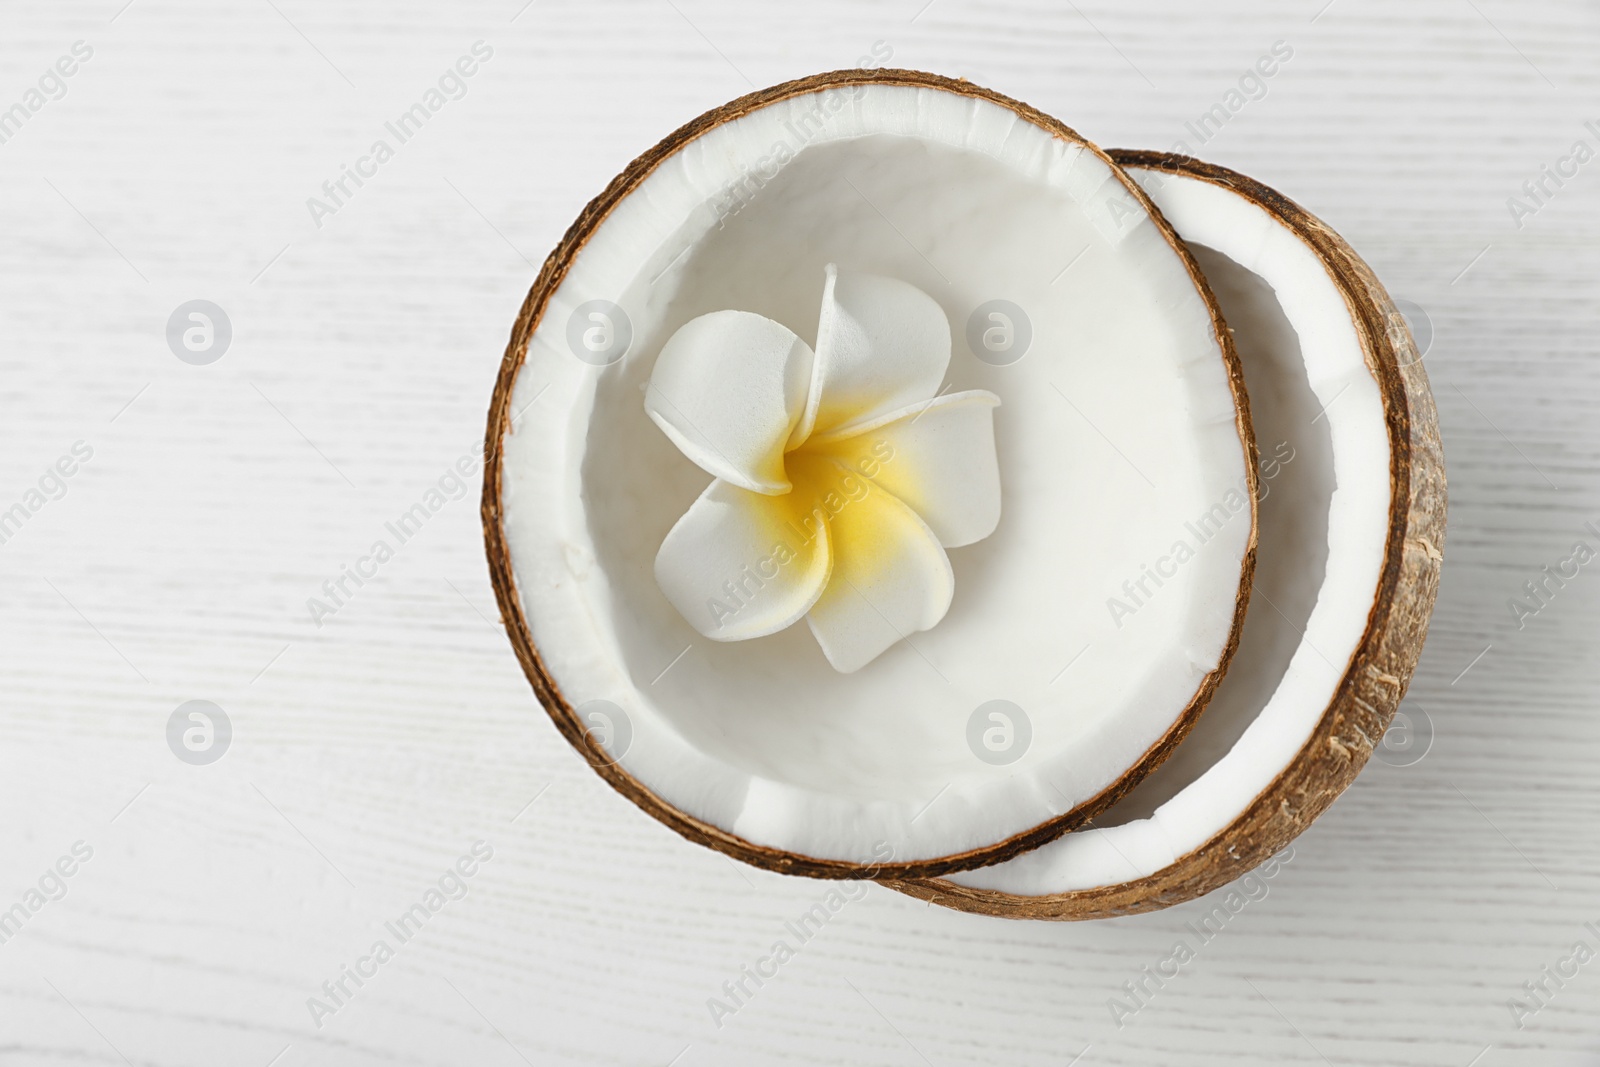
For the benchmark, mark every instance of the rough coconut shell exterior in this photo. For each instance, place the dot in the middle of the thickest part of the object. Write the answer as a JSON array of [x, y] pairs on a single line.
[[1381, 666], [504, 580]]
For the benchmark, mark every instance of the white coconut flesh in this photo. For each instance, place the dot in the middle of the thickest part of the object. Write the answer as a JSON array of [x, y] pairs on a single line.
[[1115, 433], [1323, 521]]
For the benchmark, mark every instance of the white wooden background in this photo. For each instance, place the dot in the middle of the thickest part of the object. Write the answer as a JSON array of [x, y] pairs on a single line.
[[370, 753]]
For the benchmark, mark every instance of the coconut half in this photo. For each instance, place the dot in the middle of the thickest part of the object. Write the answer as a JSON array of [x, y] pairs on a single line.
[[1351, 525], [1067, 651]]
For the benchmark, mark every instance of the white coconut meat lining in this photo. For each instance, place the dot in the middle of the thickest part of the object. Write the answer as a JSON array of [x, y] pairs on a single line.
[[1323, 525], [1118, 433]]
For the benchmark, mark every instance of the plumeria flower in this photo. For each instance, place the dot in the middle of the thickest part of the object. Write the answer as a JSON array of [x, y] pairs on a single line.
[[841, 474]]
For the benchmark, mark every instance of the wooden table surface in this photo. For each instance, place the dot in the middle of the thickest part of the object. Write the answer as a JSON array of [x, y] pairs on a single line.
[[208, 905]]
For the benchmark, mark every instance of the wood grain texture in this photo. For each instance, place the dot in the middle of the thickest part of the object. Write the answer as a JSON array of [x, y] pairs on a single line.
[[371, 752]]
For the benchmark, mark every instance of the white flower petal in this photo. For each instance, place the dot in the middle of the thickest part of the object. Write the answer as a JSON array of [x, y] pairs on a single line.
[[938, 457], [729, 388], [881, 344], [890, 576], [740, 564]]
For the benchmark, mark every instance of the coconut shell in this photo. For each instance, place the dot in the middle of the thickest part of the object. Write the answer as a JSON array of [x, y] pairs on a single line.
[[561, 710], [1381, 666]]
